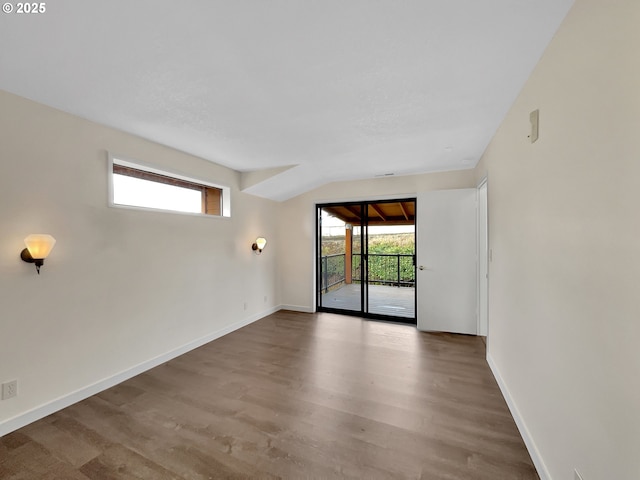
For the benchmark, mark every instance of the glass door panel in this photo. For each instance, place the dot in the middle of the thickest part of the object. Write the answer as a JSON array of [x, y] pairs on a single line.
[[339, 262], [391, 268]]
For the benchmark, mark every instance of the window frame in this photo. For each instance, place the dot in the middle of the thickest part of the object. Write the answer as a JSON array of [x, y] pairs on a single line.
[[180, 180]]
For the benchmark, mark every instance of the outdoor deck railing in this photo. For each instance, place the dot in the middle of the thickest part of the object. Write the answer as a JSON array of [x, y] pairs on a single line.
[[333, 270], [384, 269]]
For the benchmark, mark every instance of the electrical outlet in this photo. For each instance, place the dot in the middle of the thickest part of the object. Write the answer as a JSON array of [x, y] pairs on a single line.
[[576, 475], [245, 305], [9, 389], [265, 299]]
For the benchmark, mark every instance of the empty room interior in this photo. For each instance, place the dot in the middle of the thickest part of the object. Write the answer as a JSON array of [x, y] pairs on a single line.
[[253, 336]]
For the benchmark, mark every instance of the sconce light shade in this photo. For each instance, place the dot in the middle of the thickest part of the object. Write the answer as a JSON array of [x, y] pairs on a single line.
[[39, 246], [258, 245]]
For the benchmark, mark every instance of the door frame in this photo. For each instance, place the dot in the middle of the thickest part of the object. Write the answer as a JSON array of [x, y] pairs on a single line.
[[483, 220]]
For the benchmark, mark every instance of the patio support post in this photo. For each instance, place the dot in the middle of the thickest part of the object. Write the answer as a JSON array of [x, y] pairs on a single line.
[[348, 246]]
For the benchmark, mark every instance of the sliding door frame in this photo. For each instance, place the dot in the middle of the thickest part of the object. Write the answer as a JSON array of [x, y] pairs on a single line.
[[363, 205]]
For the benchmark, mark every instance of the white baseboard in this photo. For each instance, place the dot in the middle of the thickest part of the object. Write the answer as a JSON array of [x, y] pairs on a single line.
[[543, 472], [297, 308], [19, 421]]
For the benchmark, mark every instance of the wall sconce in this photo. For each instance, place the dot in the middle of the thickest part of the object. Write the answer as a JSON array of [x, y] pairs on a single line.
[[258, 245], [39, 245]]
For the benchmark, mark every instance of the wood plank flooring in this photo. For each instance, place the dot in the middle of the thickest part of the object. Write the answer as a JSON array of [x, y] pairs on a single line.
[[290, 396]]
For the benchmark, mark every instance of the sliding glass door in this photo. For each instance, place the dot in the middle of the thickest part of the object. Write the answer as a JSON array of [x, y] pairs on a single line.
[[366, 259]]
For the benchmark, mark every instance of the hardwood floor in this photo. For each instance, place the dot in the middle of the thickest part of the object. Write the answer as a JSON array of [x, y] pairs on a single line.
[[291, 396]]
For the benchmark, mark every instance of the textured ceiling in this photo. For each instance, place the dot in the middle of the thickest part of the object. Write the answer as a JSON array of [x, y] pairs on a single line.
[[339, 89]]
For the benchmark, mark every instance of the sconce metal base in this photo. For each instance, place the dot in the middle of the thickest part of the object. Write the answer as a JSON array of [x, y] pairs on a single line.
[[26, 257]]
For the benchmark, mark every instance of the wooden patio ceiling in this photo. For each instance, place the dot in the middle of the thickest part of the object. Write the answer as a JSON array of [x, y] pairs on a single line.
[[381, 213]]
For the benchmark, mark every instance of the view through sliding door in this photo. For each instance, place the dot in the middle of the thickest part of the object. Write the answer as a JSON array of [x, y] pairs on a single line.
[[366, 259], [340, 258]]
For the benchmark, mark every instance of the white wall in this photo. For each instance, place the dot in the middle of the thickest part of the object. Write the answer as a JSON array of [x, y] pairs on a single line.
[[297, 223], [564, 320], [121, 286]]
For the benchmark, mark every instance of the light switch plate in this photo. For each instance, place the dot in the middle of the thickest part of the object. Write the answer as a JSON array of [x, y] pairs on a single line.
[[534, 118]]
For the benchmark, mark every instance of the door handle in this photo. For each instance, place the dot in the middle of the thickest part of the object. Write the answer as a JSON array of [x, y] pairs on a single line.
[[421, 267]]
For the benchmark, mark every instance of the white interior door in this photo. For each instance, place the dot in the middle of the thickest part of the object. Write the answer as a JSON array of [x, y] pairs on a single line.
[[446, 249]]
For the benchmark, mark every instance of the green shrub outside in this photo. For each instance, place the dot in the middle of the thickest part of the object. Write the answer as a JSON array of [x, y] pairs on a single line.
[[380, 268]]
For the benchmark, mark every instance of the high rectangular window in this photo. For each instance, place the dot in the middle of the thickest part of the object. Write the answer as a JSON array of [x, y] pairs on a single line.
[[136, 185]]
